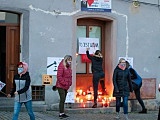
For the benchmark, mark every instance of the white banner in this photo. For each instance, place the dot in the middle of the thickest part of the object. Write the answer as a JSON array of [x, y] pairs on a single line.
[[92, 43]]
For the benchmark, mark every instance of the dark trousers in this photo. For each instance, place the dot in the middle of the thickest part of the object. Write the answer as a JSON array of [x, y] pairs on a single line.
[[96, 77], [62, 95], [136, 89]]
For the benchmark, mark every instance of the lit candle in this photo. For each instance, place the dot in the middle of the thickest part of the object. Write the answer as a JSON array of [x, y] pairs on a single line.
[[84, 93], [80, 92], [77, 99]]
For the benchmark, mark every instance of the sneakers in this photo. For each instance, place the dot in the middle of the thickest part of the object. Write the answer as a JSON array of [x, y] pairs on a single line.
[[126, 117], [143, 111], [95, 105], [63, 116], [117, 116]]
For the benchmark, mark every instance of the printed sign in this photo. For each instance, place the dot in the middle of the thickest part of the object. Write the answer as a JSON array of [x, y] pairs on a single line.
[[96, 5], [92, 43], [70, 97], [52, 65], [2, 85]]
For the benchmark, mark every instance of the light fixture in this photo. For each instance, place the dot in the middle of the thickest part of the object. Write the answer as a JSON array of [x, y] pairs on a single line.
[[136, 3]]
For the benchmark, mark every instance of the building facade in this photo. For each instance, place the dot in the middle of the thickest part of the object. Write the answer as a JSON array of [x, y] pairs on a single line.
[[32, 31]]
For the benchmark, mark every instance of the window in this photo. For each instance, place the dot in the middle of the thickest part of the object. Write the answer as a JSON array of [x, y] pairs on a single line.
[[38, 93]]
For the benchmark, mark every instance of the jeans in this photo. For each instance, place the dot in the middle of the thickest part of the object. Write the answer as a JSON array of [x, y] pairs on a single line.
[[17, 108], [62, 94], [138, 95], [125, 104]]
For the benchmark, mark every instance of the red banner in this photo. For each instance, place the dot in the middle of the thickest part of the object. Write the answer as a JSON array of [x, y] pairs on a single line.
[[84, 58]]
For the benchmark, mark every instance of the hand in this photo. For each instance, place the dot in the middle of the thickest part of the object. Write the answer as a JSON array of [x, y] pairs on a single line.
[[87, 49], [16, 93], [9, 96]]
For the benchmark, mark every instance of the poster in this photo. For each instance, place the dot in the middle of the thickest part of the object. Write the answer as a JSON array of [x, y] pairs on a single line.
[[96, 5], [52, 65], [92, 43]]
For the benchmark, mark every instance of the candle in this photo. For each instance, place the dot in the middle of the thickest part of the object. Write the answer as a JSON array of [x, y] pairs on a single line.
[[80, 92]]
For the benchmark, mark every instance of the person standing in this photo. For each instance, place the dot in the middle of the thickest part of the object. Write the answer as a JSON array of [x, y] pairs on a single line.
[[122, 87], [136, 83], [21, 91], [97, 70], [64, 81], [159, 106]]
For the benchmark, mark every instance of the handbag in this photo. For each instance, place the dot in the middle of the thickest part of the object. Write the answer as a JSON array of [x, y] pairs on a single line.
[[54, 88]]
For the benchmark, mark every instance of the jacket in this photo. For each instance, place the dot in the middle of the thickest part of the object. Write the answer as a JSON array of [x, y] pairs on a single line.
[[21, 85], [96, 63], [64, 76], [121, 82]]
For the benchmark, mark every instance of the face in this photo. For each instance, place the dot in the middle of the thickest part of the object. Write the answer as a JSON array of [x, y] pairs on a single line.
[[20, 69], [69, 61], [123, 63]]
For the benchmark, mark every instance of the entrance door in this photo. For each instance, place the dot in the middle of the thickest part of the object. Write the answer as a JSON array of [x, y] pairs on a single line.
[[9, 48], [89, 28], [12, 54]]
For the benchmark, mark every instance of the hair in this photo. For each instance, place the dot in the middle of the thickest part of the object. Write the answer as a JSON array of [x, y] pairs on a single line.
[[19, 63], [127, 64], [120, 60], [67, 57], [98, 53]]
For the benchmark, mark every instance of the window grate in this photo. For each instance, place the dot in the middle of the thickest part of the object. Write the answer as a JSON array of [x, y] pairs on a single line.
[[38, 93]]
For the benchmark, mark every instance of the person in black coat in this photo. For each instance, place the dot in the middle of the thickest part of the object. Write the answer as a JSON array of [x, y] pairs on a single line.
[[137, 84], [122, 87], [97, 70]]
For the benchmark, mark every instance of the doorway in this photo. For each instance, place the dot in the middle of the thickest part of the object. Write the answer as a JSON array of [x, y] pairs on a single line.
[[9, 49], [3, 56]]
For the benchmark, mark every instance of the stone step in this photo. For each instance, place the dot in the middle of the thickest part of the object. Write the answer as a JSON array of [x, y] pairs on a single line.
[[7, 104]]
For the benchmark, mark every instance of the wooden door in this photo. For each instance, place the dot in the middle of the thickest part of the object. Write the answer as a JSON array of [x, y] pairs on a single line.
[[12, 54]]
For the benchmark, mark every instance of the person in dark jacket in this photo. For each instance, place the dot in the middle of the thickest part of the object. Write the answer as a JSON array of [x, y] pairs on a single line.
[[122, 87], [64, 81], [21, 91], [97, 70], [136, 83]]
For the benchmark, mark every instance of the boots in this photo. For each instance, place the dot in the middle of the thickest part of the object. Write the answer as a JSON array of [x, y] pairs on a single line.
[[143, 111], [95, 105]]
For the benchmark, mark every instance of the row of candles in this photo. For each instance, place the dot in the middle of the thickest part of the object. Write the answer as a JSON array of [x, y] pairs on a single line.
[[82, 97]]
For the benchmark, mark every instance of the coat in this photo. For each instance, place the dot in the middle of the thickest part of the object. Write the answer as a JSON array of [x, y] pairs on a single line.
[[121, 82], [64, 76], [22, 85], [96, 63]]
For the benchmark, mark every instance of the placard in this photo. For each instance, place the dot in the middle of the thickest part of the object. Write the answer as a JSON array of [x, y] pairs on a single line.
[[70, 97], [52, 65], [91, 43], [2, 85]]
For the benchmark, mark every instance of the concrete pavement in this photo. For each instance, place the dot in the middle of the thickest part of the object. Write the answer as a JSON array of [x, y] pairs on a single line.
[[53, 115]]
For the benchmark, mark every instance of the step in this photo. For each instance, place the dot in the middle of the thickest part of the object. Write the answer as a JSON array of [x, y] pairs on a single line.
[[7, 104]]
